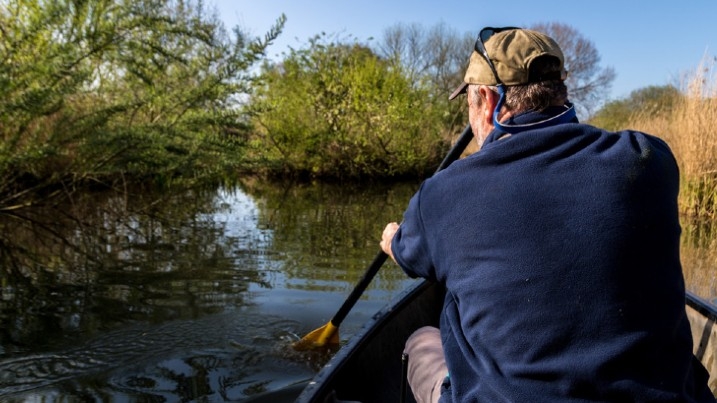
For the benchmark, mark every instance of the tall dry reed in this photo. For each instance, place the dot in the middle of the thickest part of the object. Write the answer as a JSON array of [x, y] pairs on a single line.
[[690, 128]]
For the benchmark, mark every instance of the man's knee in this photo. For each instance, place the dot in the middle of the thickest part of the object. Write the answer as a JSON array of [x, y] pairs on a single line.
[[426, 363], [426, 340]]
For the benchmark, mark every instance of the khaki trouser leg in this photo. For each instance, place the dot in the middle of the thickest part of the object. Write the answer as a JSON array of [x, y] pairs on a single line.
[[426, 364]]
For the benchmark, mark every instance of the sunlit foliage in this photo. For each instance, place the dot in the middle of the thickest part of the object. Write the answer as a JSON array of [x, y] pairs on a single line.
[[687, 119], [334, 109], [96, 91], [652, 100]]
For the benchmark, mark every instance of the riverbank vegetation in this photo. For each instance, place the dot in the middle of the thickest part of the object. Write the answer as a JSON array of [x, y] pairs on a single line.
[[691, 130], [160, 92], [98, 93], [338, 110], [686, 119]]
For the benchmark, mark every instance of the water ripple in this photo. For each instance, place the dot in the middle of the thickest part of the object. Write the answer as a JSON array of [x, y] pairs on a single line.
[[226, 356]]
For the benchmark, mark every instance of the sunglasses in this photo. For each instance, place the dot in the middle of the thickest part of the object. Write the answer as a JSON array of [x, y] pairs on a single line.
[[479, 47]]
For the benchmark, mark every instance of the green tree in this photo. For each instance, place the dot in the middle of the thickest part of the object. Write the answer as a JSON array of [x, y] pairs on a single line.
[[93, 91], [651, 100], [435, 57], [335, 109]]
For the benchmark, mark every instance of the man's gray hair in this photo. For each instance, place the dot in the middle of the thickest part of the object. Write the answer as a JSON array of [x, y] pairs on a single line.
[[532, 96]]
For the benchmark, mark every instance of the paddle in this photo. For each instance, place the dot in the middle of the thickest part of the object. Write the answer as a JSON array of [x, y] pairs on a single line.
[[329, 334]]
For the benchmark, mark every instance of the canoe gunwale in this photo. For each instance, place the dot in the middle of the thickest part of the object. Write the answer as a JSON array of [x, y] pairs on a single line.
[[706, 309], [318, 388]]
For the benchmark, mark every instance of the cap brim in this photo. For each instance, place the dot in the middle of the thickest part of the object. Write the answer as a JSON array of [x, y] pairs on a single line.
[[460, 90]]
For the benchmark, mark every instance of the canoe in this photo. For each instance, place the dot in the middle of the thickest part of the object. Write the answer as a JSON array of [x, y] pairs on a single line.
[[369, 367]]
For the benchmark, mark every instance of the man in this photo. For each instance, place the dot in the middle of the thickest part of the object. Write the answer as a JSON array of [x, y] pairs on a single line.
[[558, 246]]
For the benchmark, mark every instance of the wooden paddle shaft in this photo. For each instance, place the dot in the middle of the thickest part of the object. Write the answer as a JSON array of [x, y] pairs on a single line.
[[378, 261]]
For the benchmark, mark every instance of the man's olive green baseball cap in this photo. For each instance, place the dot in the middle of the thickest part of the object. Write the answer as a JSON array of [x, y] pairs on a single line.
[[512, 51]]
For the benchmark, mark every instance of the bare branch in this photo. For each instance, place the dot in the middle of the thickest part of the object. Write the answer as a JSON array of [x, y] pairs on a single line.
[[588, 83]]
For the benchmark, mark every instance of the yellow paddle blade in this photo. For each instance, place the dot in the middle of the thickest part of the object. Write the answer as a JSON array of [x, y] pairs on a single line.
[[327, 334]]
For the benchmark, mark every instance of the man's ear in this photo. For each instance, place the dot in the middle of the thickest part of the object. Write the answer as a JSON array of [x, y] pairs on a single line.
[[490, 100]]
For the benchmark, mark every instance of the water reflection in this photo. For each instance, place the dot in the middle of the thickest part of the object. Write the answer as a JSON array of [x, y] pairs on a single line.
[[100, 262], [198, 294], [138, 295], [344, 222]]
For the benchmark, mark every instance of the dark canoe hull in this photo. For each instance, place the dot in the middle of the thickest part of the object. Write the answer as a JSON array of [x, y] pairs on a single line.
[[369, 367]]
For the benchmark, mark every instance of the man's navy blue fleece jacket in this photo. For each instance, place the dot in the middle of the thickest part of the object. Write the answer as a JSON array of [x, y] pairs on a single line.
[[559, 251]]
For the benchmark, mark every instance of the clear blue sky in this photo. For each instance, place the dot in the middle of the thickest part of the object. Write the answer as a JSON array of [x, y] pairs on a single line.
[[647, 42]]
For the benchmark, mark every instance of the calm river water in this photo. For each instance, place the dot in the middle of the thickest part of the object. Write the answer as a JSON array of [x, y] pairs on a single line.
[[135, 296]]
